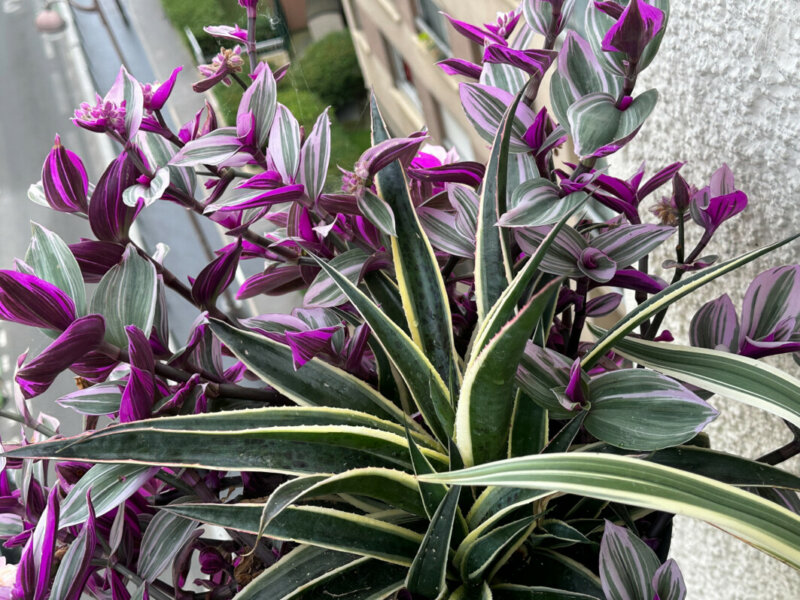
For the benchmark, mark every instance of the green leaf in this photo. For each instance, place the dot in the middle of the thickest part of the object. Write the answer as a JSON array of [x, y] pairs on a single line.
[[639, 409], [324, 527], [667, 296], [424, 383], [496, 503], [317, 383], [479, 592], [479, 554], [427, 573], [377, 212], [626, 480], [275, 439], [595, 121], [110, 485], [163, 539], [485, 106], [159, 152], [51, 260], [418, 276], [126, 295], [739, 378], [486, 402], [492, 263]]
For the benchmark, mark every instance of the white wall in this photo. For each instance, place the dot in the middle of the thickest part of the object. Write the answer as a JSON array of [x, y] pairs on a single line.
[[729, 80]]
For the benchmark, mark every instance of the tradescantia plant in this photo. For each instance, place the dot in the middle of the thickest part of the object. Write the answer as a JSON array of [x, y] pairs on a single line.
[[442, 417]]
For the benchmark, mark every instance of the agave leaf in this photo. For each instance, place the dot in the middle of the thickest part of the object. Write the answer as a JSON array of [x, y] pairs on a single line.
[[362, 579], [492, 263], [743, 379], [521, 592], [477, 555], [486, 401], [277, 439], [506, 304], [296, 570], [418, 277], [426, 386], [670, 294], [626, 480], [316, 384], [396, 488], [426, 576], [529, 427], [318, 526]]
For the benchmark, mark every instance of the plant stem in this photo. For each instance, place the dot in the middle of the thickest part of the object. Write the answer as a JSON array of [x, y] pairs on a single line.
[[239, 80], [43, 429], [580, 318], [251, 41]]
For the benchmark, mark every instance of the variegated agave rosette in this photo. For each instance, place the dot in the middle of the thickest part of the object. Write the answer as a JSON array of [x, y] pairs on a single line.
[[442, 416]]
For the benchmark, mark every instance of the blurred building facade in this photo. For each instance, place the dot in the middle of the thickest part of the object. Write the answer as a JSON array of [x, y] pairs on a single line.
[[398, 43]]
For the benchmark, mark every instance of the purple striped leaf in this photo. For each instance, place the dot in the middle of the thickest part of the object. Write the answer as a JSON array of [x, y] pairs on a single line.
[[284, 143], [485, 106], [668, 582], [307, 344], [139, 393], [275, 281], [539, 15], [216, 276], [716, 326], [533, 62], [377, 211], [149, 191], [627, 565], [100, 399], [599, 22], [639, 409], [315, 157], [82, 336], [51, 259], [458, 66], [246, 198], [579, 74], [540, 371], [465, 202], [627, 244], [33, 572], [466, 172], [324, 292], [75, 567], [260, 100], [631, 279], [443, 233], [96, 258], [164, 537], [31, 301], [110, 485], [562, 257], [603, 305], [109, 217], [126, 295], [711, 212], [636, 27], [64, 180], [770, 310], [599, 127], [213, 148], [538, 202], [134, 103], [597, 265], [473, 33]]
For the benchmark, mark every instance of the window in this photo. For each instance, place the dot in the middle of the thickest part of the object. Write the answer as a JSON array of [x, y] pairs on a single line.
[[403, 76], [433, 25], [455, 136]]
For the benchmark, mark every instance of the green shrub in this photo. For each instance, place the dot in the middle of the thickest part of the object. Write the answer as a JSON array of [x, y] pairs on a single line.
[[330, 69], [196, 14]]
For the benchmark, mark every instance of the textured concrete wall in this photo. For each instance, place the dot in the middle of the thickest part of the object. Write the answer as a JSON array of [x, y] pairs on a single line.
[[729, 78]]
